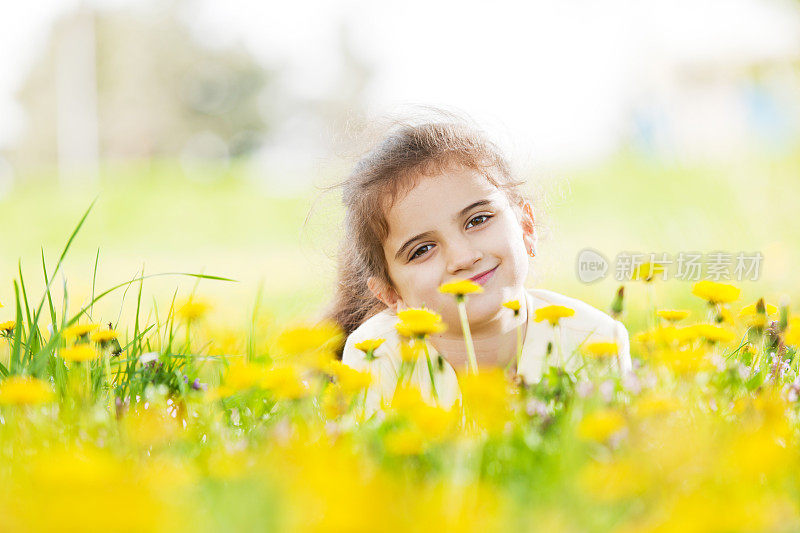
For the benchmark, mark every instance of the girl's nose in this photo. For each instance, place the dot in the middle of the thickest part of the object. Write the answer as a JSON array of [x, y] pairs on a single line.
[[462, 256]]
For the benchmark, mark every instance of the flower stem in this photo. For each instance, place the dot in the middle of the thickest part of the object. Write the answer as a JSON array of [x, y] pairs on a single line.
[[364, 405], [107, 369], [88, 366], [430, 371], [462, 313], [557, 341]]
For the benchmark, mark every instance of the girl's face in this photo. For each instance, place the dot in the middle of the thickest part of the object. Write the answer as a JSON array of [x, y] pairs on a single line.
[[454, 226]]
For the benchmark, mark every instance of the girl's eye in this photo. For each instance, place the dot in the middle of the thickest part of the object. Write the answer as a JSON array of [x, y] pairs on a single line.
[[418, 250], [480, 218]]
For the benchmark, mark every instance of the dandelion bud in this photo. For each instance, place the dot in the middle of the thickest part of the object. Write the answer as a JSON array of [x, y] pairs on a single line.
[[783, 306], [616, 304]]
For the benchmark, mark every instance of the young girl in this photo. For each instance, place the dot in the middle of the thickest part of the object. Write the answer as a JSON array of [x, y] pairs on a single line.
[[435, 203]]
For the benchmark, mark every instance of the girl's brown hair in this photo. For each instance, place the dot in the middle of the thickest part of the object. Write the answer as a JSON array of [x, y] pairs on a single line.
[[407, 152]]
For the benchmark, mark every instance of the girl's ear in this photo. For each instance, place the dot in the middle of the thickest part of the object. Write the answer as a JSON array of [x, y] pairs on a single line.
[[384, 293], [528, 228]]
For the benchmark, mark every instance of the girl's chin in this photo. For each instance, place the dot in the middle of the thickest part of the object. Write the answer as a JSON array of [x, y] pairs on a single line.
[[480, 307]]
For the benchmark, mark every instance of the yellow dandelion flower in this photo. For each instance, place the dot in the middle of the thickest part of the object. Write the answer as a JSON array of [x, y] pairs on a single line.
[[686, 334], [673, 315], [725, 316], [7, 327], [410, 352], [334, 402], [665, 335], [369, 345], [20, 390], [552, 313], [487, 398], [756, 314], [316, 360], [752, 309], [793, 332], [715, 292], [600, 425], [405, 401], [193, 310], [712, 333], [350, 379], [434, 423], [79, 353], [601, 349], [684, 361], [244, 376], [642, 338], [673, 334], [460, 288], [103, 336], [648, 271], [418, 322], [513, 305], [78, 331], [285, 383], [223, 391], [309, 338]]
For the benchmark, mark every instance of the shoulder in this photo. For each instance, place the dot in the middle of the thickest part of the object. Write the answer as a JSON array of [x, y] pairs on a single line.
[[588, 323], [586, 317], [379, 326]]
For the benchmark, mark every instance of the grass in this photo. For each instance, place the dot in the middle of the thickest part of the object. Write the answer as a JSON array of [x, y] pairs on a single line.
[[232, 420]]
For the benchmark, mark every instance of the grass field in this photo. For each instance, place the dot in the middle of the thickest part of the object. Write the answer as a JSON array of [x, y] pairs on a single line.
[[237, 416]]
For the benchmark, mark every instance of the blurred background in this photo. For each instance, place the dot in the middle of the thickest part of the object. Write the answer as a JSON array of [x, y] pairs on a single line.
[[208, 132]]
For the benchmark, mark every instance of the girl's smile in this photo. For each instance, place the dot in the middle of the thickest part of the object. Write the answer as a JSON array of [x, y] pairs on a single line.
[[482, 279]]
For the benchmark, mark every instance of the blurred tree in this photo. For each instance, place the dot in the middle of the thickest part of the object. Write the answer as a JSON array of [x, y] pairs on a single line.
[[155, 90]]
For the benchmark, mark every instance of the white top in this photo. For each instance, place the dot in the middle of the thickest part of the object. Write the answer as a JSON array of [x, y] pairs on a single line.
[[586, 325]]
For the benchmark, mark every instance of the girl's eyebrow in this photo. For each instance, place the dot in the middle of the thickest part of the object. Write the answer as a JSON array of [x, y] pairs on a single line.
[[469, 208], [457, 216], [410, 241]]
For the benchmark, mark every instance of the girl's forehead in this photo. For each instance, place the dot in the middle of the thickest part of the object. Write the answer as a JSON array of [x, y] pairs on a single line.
[[452, 186], [435, 199]]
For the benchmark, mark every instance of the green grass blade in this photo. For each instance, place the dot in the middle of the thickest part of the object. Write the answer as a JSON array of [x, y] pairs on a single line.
[[61, 260], [94, 280], [38, 365], [136, 349], [16, 346], [122, 303], [32, 341], [49, 297], [171, 322], [24, 295]]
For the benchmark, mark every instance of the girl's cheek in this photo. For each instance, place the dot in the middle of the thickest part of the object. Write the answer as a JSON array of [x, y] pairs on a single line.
[[417, 278]]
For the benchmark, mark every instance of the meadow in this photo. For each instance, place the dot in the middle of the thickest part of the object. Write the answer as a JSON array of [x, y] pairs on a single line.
[[210, 398]]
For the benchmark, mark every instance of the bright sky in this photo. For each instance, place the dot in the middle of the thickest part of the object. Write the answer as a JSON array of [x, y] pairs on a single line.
[[551, 79]]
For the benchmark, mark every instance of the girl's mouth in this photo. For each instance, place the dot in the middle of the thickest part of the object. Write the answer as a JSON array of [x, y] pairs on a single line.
[[481, 279]]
